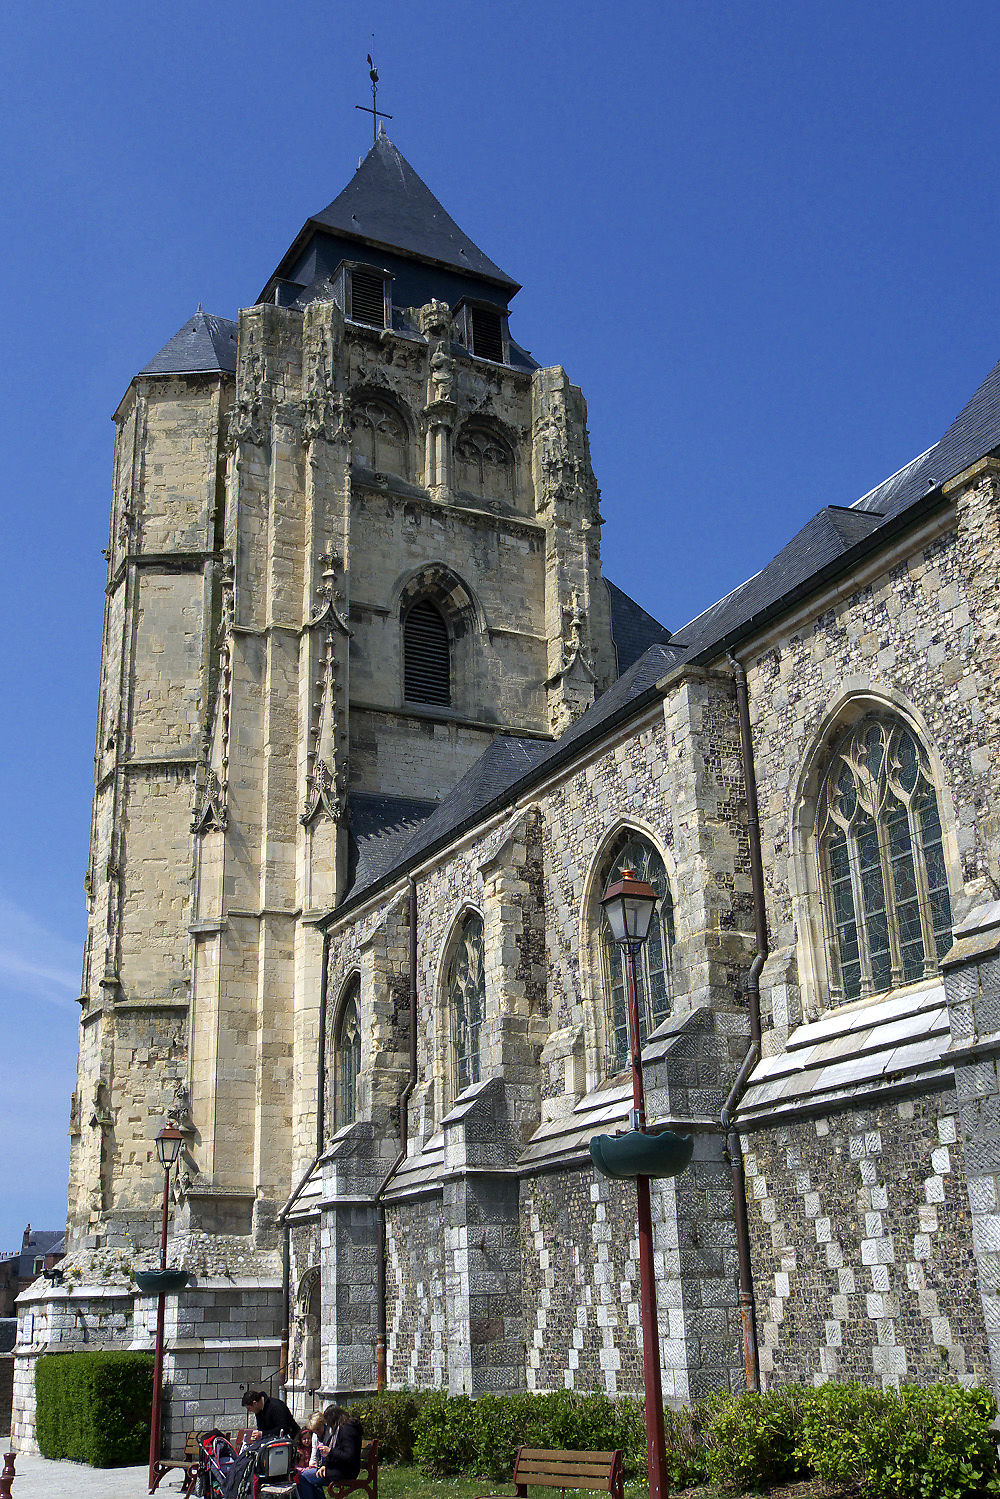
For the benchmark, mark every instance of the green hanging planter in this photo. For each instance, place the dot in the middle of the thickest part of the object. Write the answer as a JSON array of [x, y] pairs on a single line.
[[636, 1154], [161, 1282]]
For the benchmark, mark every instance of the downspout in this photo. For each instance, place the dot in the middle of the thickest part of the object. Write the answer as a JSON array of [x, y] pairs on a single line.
[[734, 1147], [404, 1099], [286, 1248]]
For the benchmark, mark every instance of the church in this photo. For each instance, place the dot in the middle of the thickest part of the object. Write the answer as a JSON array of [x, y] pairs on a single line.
[[374, 734]]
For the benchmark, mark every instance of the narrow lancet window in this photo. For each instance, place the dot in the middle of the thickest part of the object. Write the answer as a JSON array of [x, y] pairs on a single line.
[[466, 994], [347, 1057]]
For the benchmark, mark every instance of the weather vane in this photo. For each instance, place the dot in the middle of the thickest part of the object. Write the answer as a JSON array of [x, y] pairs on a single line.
[[376, 114]]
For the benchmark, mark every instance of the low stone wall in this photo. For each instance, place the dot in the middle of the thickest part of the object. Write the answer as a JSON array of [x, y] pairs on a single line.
[[220, 1336]]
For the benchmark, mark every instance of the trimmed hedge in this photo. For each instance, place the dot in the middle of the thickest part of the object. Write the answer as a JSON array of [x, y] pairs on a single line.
[[94, 1407]]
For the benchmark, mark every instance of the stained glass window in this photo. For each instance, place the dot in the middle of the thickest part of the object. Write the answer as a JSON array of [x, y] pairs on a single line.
[[466, 988], [653, 967], [347, 1057], [888, 911]]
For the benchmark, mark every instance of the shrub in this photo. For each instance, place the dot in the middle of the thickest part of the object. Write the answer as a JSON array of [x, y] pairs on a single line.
[[751, 1440], [930, 1443], [94, 1407], [442, 1435], [391, 1417]]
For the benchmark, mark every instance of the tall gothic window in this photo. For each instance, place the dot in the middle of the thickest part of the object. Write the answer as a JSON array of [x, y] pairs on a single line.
[[426, 656], [653, 965], [466, 998], [347, 1057], [887, 907]]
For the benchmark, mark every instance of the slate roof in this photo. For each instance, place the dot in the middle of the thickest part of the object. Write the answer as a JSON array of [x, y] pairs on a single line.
[[498, 768], [386, 203], [827, 536], [632, 629], [204, 345], [380, 828]]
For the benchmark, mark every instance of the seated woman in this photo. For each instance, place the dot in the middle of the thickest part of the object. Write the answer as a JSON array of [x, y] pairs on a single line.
[[339, 1457]]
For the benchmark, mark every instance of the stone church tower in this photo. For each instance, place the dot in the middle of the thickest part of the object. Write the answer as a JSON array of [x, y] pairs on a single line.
[[353, 538]]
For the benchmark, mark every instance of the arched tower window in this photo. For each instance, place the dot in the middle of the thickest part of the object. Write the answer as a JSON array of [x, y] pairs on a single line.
[[426, 656], [484, 464], [886, 903], [380, 437], [465, 986], [347, 1056], [653, 961]]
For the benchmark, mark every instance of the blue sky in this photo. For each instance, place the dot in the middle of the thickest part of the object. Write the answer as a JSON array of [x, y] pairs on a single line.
[[761, 237]]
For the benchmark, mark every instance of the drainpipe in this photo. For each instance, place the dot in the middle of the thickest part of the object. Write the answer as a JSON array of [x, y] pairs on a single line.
[[411, 1081], [734, 1148], [286, 1249]]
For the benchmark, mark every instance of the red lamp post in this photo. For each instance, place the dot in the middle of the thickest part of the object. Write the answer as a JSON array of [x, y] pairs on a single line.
[[168, 1146], [629, 904]]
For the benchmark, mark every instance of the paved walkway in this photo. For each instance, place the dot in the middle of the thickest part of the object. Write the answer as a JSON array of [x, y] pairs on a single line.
[[40, 1478]]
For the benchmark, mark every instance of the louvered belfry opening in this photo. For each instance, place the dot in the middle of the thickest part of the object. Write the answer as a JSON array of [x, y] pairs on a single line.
[[367, 298], [426, 656], [487, 334]]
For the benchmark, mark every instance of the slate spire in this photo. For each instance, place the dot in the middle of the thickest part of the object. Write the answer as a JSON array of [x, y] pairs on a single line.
[[387, 204], [203, 345]]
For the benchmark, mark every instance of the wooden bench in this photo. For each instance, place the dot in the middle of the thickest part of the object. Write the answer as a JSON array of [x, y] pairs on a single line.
[[551, 1469], [190, 1462], [367, 1479]]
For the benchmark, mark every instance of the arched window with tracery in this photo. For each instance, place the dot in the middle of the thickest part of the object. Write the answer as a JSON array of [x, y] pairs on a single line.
[[484, 464], [347, 1056], [380, 438], [653, 968], [886, 901], [465, 989], [426, 656]]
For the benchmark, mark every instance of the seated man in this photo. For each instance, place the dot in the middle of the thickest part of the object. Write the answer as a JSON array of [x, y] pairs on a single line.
[[272, 1414]]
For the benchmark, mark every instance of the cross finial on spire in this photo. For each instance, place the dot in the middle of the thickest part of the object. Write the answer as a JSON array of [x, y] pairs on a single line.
[[376, 114]]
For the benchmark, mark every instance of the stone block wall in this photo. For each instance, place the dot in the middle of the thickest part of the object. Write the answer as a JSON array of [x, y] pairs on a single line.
[[418, 1343], [863, 1253]]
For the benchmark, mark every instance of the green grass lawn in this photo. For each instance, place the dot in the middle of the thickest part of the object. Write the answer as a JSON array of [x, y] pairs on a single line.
[[411, 1483]]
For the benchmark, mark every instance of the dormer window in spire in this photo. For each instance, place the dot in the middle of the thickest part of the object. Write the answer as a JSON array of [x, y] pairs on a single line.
[[482, 328], [363, 293]]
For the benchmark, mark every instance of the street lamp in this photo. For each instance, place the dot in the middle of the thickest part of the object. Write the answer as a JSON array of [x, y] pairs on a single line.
[[168, 1147], [629, 904]]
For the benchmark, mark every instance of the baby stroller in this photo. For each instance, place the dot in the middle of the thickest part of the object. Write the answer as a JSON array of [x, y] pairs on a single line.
[[216, 1458], [228, 1474]]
